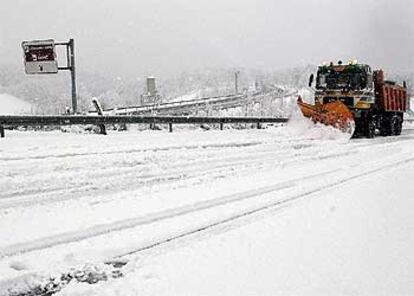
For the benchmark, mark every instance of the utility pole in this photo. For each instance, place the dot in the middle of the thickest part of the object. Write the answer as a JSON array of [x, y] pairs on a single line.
[[236, 82]]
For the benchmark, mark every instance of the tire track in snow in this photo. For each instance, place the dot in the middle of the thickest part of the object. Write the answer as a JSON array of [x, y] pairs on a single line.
[[241, 163], [107, 170], [129, 151], [47, 242], [246, 155], [190, 166], [334, 154], [119, 260], [253, 211], [217, 169], [70, 237], [89, 181], [103, 162]]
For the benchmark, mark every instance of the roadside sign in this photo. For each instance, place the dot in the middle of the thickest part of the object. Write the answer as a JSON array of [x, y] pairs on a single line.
[[40, 57]]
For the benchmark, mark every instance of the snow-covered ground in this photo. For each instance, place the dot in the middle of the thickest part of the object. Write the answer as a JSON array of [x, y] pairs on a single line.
[[288, 210]]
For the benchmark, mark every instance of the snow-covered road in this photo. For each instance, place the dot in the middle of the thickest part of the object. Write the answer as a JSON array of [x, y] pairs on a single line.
[[67, 200]]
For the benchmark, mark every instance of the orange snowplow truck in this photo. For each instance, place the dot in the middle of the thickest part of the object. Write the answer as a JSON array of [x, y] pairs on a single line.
[[356, 99]]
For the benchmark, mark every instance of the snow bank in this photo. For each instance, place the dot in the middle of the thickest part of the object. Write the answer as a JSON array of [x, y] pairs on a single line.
[[10, 105]]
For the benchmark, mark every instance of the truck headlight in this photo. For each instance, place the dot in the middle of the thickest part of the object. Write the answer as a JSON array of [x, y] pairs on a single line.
[[363, 105]]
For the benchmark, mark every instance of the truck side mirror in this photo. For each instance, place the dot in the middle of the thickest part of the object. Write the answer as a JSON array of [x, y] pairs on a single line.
[[311, 80]]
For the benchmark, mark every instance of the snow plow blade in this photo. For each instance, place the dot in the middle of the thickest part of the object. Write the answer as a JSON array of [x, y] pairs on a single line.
[[335, 114]]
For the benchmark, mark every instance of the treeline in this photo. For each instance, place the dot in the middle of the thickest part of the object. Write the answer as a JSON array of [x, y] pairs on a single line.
[[51, 94]]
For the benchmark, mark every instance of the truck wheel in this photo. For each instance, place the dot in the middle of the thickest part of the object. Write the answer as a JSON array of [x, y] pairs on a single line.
[[384, 127], [370, 128], [398, 127], [394, 122]]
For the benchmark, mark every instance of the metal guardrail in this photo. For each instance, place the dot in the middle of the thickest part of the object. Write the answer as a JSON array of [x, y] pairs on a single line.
[[43, 120], [113, 119]]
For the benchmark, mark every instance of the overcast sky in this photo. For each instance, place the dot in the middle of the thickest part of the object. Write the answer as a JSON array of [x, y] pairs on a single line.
[[164, 36]]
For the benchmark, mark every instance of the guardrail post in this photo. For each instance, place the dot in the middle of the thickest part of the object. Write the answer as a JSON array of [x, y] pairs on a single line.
[[221, 126], [170, 128], [1, 131], [258, 125], [99, 109]]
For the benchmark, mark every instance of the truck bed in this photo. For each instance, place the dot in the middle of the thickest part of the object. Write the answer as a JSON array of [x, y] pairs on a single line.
[[391, 96]]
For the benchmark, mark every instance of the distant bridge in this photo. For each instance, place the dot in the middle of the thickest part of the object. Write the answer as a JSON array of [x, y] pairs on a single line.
[[190, 106]]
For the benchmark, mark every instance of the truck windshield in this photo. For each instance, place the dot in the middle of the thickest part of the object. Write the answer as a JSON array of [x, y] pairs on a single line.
[[345, 78]]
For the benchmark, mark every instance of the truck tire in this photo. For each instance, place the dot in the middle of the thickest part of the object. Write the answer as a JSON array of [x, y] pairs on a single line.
[[369, 128], [398, 128], [384, 130], [393, 126]]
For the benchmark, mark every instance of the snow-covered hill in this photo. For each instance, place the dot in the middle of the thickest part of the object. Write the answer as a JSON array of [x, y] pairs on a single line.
[[10, 105]]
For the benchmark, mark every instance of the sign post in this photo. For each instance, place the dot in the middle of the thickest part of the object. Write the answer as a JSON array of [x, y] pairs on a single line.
[[40, 58]]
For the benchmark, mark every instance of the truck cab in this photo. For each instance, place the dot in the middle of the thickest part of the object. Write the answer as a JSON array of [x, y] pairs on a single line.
[[352, 84]]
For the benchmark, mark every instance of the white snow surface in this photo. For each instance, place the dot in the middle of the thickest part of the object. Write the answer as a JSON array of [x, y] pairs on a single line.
[[10, 105], [287, 210]]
